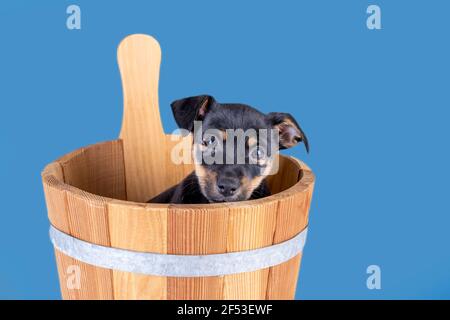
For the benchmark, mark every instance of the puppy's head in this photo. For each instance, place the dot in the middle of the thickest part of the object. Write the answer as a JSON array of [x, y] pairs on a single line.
[[234, 144]]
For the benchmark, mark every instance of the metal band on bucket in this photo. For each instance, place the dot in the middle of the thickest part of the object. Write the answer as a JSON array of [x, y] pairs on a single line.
[[170, 265]]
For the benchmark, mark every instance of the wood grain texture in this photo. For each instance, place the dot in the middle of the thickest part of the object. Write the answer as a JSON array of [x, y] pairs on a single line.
[[63, 264], [286, 177], [55, 196], [139, 58], [97, 169], [178, 170], [246, 286], [249, 228], [88, 217], [133, 286], [82, 281], [283, 280], [196, 230], [198, 288], [292, 218], [141, 228]]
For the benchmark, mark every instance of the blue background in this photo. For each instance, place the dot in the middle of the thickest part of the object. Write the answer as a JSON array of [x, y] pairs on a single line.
[[375, 105]]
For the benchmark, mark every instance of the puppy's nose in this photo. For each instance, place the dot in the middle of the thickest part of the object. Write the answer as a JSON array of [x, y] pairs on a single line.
[[228, 186]]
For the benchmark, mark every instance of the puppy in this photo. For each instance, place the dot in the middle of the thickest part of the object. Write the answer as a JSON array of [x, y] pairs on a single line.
[[234, 147]]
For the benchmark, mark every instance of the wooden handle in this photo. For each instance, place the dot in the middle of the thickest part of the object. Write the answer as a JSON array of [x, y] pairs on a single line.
[[139, 58]]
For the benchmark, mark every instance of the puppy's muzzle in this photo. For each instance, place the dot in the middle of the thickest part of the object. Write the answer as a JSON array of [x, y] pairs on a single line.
[[228, 186]]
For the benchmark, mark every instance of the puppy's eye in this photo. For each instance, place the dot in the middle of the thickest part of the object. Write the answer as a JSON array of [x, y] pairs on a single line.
[[257, 154], [209, 141]]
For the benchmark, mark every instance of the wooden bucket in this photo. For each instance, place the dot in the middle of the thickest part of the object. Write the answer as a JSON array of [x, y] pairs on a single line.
[[95, 194]]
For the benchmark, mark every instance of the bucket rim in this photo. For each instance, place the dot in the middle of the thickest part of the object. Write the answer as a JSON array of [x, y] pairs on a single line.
[[305, 182]]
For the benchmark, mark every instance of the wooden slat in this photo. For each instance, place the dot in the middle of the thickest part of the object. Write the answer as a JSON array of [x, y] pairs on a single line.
[[133, 286], [98, 169], [292, 218], [55, 197], [88, 220], [249, 228], [196, 231], [94, 282], [88, 217], [63, 264], [140, 228], [283, 280], [286, 177], [81, 215], [198, 288], [178, 171], [292, 215], [247, 285]]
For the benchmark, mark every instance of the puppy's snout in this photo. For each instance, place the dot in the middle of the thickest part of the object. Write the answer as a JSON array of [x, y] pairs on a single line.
[[228, 186]]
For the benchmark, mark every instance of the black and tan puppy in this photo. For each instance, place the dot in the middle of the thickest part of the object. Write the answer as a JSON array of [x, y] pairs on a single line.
[[234, 147]]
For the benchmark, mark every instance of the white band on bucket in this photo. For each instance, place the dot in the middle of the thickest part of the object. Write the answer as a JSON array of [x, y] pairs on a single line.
[[170, 265]]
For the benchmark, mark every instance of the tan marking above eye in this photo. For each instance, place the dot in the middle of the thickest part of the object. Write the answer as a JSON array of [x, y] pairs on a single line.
[[224, 135], [252, 141]]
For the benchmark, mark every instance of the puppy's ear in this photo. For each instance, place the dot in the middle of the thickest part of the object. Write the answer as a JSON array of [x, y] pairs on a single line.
[[188, 110], [290, 132]]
